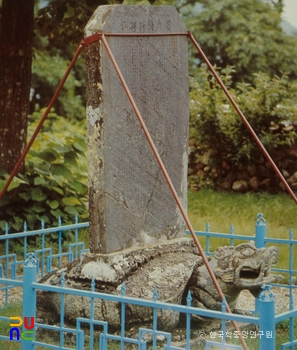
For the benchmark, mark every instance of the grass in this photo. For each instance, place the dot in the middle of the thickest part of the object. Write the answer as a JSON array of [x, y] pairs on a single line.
[[282, 331], [221, 209], [13, 309]]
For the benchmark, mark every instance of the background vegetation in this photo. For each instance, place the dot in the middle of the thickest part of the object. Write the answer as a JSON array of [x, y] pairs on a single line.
[[269, 104], [257, 61], [245, 40], [55, 181]]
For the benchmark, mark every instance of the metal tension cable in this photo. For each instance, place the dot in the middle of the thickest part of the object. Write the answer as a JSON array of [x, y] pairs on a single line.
[[247, 124], [87, 41], [170, 184], [42, 120], [95, 37]]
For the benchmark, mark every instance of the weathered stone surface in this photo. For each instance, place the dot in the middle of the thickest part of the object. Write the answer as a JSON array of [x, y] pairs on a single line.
[[239, 186], [285, 173], [166, 267], [254, 183], [292, 179], [265, 183], [173, 269], [294, 186], [236, 268], [284, 158], [130, 203], [262, 171]]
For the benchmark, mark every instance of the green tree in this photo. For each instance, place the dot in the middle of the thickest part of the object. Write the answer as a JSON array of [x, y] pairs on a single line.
[[243, 34], [16, 33], [48, 67], [269, 104], [62, 23], [246, 35], [55, 181]]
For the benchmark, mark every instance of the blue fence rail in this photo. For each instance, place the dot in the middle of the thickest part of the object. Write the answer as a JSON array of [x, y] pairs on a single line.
[[48, 247], [37, 263]]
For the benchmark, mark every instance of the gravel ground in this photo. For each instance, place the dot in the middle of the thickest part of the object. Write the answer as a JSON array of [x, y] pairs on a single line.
[[246, 300], [15, 294], [282, 299]]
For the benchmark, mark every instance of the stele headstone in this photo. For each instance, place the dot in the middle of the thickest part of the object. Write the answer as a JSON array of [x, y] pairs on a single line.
[[130, 204]]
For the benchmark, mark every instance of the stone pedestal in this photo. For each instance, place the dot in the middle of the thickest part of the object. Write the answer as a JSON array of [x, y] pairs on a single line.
[[130, 202]]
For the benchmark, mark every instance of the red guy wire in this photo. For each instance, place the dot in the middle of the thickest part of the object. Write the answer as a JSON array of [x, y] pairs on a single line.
[[147, 34], [42, 120], [169, 182], [245, 121], [97, 36]]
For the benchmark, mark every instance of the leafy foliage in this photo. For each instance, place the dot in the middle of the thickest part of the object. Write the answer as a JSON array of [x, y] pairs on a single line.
[[246, 35], [55, 181], [47, 71], [219, 131], [64, 20]]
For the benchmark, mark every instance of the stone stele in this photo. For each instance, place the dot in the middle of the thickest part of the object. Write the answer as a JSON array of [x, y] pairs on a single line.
[[130, 202]]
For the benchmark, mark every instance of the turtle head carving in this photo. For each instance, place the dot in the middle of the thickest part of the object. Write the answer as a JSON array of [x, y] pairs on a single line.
[[236, 268], [245, 265]]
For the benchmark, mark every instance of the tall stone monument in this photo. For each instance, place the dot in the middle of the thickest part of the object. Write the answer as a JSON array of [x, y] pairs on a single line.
[[130, 202]]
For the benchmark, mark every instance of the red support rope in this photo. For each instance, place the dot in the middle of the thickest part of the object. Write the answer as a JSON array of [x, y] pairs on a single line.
[[247, 124], [95, 37], [170, 184], [42, 120], [147, 34]]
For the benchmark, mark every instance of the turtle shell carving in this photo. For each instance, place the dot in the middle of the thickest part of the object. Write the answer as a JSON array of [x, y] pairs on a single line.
[[171, 269]]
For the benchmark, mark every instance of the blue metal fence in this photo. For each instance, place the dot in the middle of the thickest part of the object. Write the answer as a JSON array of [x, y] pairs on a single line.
[[41, 261], [46, 251]]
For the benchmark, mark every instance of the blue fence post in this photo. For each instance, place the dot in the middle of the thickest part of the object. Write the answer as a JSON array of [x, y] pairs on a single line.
[[260, 243], [260, 231], [123, 316], [188, 322], [266, 319], [29, 303]]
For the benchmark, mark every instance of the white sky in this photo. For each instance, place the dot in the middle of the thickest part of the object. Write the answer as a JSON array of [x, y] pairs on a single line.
[[290, 12]]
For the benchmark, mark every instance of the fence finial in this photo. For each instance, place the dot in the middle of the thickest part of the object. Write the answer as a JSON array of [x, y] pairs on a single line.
[[123, 289], [224, 304], [266, 293], [260, 231], [189, 298], [30, 260], [63, 279], [260, 219], [267, 317]]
